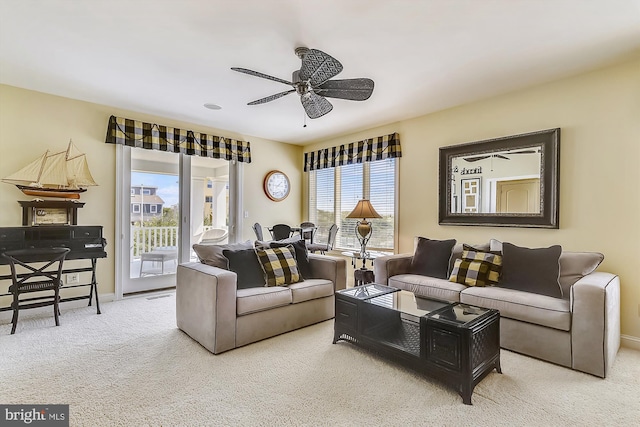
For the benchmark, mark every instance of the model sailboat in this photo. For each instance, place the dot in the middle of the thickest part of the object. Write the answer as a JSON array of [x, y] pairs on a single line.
[[63, 174]]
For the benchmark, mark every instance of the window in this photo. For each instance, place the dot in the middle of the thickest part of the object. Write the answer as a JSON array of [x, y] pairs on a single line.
[[146, 192], [208, 199], [136, 208], [334, 192], [154, 208], [133, 191]]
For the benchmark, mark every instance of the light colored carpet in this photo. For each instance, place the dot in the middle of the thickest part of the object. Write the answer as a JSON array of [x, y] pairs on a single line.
[[131, 366]]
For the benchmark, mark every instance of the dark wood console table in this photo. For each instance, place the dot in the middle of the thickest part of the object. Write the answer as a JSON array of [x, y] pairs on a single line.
[[85, 243]]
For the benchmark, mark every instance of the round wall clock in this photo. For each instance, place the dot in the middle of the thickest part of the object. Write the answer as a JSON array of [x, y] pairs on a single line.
[[276, 185]]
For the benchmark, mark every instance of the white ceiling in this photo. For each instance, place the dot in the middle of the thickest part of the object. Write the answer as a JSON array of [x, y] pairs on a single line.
[[168, 58]]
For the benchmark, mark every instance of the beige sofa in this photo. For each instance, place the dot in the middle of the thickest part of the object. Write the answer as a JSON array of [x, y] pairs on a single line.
[[212, 311], [580, 331]]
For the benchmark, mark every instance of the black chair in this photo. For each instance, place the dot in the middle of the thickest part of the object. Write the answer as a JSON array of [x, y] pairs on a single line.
[[257, 228], [29, 279], [280, 231], [307, 231], [325, 247]]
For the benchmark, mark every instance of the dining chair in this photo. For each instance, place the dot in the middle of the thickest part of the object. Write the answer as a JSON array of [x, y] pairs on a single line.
[[27, 278], [280, 231], [257, 228], [307, 231], [325, 247]]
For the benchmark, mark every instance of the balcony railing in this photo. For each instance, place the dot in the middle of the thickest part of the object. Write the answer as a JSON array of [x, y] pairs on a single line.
[[145, 239]]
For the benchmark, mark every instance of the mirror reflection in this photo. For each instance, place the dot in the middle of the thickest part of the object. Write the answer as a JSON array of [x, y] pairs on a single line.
[[504, 181], [510, 181]]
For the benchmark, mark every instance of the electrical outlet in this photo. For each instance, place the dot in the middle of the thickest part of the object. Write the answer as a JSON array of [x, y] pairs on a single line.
[[72, 278]]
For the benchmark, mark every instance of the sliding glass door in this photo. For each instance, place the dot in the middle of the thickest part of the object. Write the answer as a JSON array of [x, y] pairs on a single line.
[[157, 229]]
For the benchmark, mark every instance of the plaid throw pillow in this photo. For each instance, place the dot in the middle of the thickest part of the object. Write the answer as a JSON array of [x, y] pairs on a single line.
[[279, 264], [476, 268], [494, 258]]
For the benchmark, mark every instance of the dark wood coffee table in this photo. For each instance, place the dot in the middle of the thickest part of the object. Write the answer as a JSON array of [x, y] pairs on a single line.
[[455, 343]]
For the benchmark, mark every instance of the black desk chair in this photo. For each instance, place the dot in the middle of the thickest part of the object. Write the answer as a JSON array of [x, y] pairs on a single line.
[[280, 231], [29, 279]]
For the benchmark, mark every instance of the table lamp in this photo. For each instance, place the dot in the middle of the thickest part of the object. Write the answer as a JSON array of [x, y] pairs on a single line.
[[363, 230]]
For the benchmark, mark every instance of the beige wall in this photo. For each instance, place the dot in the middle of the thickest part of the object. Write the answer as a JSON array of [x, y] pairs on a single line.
[[32, 122], [599, 117]]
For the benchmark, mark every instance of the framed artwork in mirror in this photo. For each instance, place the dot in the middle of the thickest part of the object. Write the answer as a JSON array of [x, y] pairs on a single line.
[[470, 195], [511, 181]]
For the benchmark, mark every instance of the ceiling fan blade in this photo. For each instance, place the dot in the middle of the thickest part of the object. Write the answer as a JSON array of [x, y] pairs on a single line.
[[475, 159], [257, 74], [500, 156], [318, 67], [315, 105], [522, 152], [271, 97], [351, 89]]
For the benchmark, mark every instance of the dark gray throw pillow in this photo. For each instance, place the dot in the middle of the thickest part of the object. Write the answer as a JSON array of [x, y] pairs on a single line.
[[531, 270], [212, 254], [432, 257], [245, 263], [301, 253]]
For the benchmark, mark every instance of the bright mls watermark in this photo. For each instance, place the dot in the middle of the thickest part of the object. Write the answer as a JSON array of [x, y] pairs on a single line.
[[34, 415]]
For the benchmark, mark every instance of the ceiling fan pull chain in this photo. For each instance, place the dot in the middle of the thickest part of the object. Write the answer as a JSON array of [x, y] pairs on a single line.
[[304, 118]]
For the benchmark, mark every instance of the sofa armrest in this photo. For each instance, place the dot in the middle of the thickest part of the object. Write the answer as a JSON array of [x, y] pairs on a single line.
[[206, 305], [391, 265], [595, 322], [330, 268]]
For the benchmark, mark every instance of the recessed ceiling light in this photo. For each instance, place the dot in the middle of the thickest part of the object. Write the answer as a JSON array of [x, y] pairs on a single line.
[[212, 106]]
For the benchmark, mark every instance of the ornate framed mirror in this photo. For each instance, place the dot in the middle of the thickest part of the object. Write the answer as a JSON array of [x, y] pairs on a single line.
[[512, 181]]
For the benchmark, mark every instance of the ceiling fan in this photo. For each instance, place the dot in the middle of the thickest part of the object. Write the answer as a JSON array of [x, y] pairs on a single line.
[[312, 83], [499, 156]]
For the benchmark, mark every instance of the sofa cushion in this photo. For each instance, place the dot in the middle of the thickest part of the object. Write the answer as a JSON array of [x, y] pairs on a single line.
[[574, 266], [524, 306], [302, 256], [477, 267], [279, 265], [212, 254], [252, 300], [473, 273], [244, 262], [311, 289], [429, 287], [531, 270], [456, 252], [431, 257]]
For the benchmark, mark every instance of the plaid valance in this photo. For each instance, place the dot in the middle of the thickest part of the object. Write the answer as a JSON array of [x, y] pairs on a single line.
[[151, 136], [367, 150]]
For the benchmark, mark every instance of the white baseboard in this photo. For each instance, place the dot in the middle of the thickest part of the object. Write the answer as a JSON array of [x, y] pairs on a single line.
[[5, 316], [630, 342]]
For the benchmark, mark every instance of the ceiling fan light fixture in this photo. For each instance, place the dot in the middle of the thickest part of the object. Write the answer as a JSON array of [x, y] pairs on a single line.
[[311, 82], [212, 106]]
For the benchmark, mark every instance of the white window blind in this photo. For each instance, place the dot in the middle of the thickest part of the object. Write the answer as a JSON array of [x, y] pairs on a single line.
[[334, 192], [382, 184], [351, 189], [322, 202]]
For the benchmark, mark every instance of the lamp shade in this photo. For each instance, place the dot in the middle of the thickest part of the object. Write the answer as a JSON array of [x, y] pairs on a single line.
[[364, 210]]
